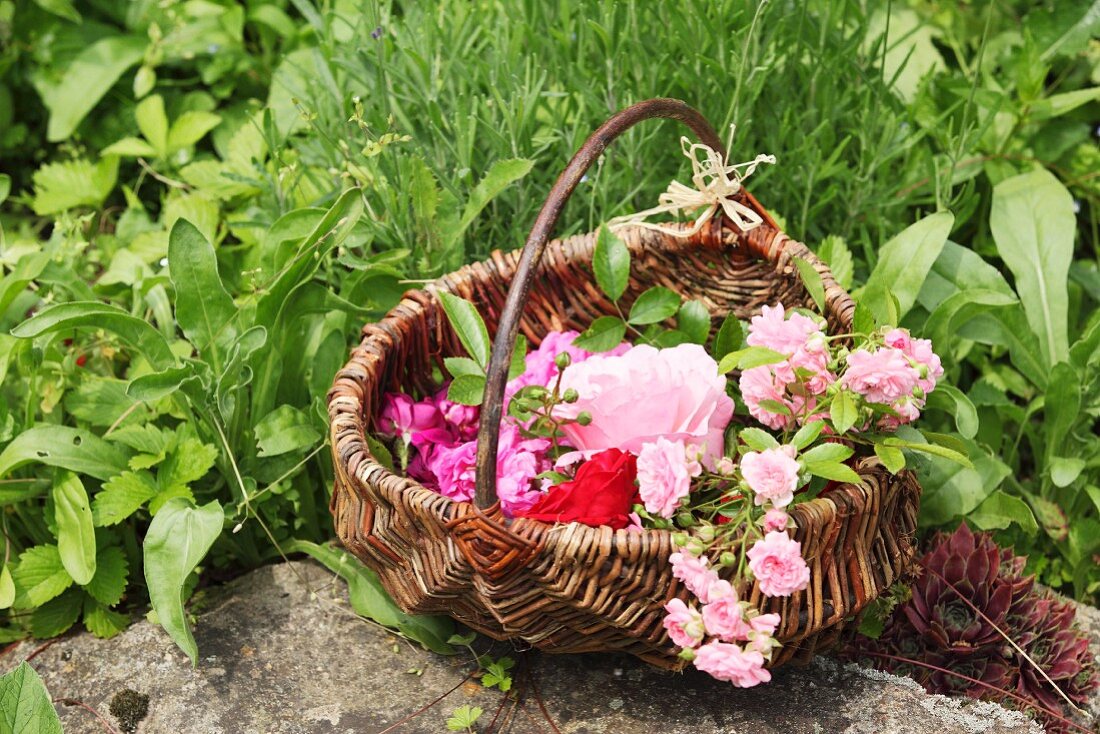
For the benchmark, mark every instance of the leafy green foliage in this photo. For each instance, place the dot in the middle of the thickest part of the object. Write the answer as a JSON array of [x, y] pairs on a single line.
[[25, 704]]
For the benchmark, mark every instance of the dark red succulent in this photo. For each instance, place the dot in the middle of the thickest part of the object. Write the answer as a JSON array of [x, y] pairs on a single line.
[[972, 565], [939, 639]]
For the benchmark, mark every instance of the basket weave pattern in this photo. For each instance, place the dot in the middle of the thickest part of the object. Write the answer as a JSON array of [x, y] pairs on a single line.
[[573, 588]]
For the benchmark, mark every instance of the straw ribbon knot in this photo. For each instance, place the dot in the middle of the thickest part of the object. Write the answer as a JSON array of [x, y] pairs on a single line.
[[716, 183]]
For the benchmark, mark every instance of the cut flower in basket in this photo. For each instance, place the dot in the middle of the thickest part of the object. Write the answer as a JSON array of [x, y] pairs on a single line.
[[648, 420]]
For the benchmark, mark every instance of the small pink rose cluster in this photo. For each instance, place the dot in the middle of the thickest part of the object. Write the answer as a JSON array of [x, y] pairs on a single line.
[[899, 375], [726, 638], [896, 375]]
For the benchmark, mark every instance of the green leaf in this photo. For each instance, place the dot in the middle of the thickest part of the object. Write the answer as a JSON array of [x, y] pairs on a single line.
[[468, 326], [891, 457], [749, 357], [464, 718], [131, 147], [1061, 406], [39, 576], [7, 587], [178, 539], [730, 337], [369, 599], [828, 452], [863, 321], [25, 704], [75, 532], [952, 490], [1057, 105], [284, 430], [500, 175], [843, 411], [1033, 227], [903, 265], [188, 463], [204, 308], [654, 305], [153, 122], [604, 334], [74, 449], [69, 184], [61, 8], [999, 510], [693, 320], [834, 251], [153, 387], [94, 71], [1051, 516], [57, 615], [812, 281], [519, 358], [458, 366], [102, 622], [961, 308], [136, 332], [467, 390], [5, 187], [952, 400], [832, 470], [122, 496], [807, 434], [189, 128], [611, 264], [930, 448], [101, 402], [1064, 471], [758, 439], [111, 572]]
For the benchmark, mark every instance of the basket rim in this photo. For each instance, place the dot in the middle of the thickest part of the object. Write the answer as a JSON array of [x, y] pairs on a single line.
[[349, 427]]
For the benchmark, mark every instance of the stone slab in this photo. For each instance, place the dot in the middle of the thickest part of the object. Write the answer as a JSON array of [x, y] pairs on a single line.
[[281, 653]]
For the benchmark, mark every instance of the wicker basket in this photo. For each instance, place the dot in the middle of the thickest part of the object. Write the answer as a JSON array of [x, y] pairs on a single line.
[[573, 588]]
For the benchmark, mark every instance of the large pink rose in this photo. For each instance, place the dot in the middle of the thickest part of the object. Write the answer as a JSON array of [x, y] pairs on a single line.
[[645, 394], [541, 368]]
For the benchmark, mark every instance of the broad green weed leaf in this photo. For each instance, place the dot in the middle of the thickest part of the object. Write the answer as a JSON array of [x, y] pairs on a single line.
[[93, 314], [1062, 406], [122, 496], [283, 430], [1064, 471], [811, 280], [499, 176], [111, 572], [891, 457], [611, 264], [1033, 227], [153, 123], [74, 449], [89, 76], [39, 576], [950, 399], [57, 615], [69, 184], [204, 309], [102, 622], [190, 127], [468, 326], [903, 264], [7, 587], [952, 490], [834, 251], [178, 539], [467, 390], [75, 532], [25, 704], [1057, 105]]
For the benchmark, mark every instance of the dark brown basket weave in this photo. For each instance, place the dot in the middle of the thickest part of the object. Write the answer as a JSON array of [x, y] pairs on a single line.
[[573, 588]]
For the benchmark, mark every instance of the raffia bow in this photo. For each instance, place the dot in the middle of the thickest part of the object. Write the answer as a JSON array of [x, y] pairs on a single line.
[[716, 183]]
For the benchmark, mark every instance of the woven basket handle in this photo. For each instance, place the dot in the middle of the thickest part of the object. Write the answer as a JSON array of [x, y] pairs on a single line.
[[489, 427]]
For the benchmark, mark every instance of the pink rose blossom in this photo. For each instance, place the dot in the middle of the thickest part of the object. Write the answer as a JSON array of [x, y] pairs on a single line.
[[664, 475], [758, 384], [774, 330], [775, 519], [771, 474], [729, 662], [404, 418], [519, 460], [723, 615], [541, 368], [920, 351], [695, 574], [882, 376], [461, 418], [644, 394], [777, 563], [684, 624]]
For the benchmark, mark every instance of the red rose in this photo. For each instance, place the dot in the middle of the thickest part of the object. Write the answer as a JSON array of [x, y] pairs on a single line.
[[602, 493]]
